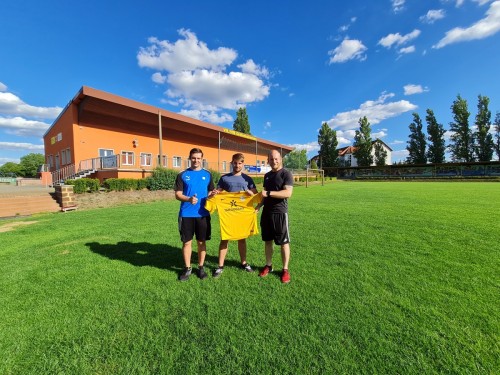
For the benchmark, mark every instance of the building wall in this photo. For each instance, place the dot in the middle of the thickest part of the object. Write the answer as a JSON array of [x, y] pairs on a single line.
[[85, 138]]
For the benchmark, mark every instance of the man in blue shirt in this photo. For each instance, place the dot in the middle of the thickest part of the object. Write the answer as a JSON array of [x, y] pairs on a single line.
[[192, 187], [235, 181]]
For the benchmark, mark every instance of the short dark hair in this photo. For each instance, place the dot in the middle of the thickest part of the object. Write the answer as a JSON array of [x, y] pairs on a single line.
[[195, 151], [238, 156]]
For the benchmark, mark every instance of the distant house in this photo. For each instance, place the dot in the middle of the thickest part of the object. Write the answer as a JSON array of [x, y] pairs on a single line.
[[346, 156]]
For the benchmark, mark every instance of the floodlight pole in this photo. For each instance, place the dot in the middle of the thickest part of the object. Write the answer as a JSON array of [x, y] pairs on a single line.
[[218, 155]]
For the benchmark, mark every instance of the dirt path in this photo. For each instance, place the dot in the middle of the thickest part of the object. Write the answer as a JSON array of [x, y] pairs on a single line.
[[114, 198]]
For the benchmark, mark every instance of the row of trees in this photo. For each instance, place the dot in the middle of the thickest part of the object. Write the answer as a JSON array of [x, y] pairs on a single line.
[[363, 143], [466, 144], [27, 167]]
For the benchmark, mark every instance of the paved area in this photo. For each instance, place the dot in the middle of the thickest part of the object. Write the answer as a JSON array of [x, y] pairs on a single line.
[[7, 190]]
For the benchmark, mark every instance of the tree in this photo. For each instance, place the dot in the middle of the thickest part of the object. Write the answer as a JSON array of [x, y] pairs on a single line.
[[11, 167], [380, 153], [484, 140], [327, 140], [241, 123], [30, 163], [436, 150], [313, 164], [496, 145], [462, 141], [297, 159], [417, 143], [363, 143]]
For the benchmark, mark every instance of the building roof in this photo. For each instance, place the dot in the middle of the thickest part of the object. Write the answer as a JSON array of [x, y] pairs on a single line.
[[92, 102]]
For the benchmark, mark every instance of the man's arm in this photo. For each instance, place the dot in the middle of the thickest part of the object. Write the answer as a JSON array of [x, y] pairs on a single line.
[[282, 194]]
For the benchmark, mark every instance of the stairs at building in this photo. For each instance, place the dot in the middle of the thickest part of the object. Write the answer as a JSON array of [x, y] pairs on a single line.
[[27, 205]]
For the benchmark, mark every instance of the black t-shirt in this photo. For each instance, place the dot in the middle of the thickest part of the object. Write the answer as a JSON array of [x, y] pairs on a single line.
[[276, 181]]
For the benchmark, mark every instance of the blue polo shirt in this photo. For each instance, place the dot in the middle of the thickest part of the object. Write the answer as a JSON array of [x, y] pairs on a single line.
[[192, 182]]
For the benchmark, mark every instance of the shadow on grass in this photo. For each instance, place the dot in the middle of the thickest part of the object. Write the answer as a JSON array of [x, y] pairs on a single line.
[[141, 254], [161, 256]]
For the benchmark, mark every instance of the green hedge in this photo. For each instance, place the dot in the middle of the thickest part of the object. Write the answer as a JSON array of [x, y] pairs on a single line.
[[124, 184], [84, 185], [163, 179]]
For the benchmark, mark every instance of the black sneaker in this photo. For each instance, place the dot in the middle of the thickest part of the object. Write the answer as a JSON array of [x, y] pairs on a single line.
[[217, 272], [184, 276], [246, 267], [201, 273]]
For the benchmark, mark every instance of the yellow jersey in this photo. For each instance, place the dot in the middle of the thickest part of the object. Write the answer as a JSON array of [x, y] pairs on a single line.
[[237, 216]]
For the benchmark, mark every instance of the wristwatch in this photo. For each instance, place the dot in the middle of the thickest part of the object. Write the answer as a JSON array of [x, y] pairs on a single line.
[[268, 193]]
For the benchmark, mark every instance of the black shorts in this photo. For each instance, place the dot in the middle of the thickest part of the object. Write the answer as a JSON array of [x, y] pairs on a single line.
[[274, 227], [189, 226]]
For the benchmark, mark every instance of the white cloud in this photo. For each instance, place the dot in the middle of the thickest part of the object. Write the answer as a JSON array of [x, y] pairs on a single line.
[[483, 28], [185, 54], [309, 147], [405, 50], [398, 39], [398, 142], [203, 87], [159, 78], [209, 116], [375, 110], [200, 79], [252, 68], [398, 155], [433, 15], [2, 87], [9, 160], [11, 104], [398, 5], [481, 2], [20, 146], [22, 127], [411, 89], [349, 49], [267, 125]]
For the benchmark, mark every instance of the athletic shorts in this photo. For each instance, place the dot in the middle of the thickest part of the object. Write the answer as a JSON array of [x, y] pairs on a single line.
[[199, 226], [274, 227]]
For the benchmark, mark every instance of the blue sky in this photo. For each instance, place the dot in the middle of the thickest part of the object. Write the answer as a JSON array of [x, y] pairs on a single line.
[[293, 64]]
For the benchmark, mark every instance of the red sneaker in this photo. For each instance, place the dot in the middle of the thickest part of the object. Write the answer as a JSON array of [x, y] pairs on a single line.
[[265, 271], [285, 277]]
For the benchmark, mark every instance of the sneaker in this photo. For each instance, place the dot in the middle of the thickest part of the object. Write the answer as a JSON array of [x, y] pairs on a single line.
[[265, 271], [201, 273], [184, 276], [285, 277], [217, 272], [247, 267]]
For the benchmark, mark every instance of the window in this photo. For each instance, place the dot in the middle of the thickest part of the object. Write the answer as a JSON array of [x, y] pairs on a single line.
[[177, 161], [146, 159], [105, 152], [263, 163], [68, 156], [205, 164], [164, 161], [224, 166], [50, 161], [63, 157], [127, 158]]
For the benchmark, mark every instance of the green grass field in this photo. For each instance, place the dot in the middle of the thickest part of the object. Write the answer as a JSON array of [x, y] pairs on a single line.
[[387, 278]]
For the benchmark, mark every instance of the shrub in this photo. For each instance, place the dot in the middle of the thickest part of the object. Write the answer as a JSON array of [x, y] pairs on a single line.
[[84, 185], [162, 179], [121, 184], [143, 183], [215, 176]]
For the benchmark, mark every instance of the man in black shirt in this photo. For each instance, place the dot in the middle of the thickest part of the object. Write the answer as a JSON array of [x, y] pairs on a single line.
[[278, 186]]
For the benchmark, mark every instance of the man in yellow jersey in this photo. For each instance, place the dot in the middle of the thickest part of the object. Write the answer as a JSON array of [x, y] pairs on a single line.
[[236, 181], [278, 187]]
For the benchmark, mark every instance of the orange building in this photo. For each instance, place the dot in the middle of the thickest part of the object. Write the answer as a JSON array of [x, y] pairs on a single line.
[[102, 135]]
